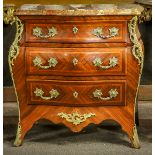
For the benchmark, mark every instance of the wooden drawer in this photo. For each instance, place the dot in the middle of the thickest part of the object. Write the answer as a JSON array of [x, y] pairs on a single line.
[[76, 61], [72, 32], [76, 93]]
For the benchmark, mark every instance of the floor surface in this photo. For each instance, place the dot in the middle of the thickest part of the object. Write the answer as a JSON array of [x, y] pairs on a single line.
[[50, 139]]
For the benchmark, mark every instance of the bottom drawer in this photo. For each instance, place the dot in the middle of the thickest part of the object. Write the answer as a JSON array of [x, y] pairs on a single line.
[[76, 93]]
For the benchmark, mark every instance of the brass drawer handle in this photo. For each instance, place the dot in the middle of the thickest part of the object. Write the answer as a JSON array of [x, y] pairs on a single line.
[[53, 94], [37, 31], [76, 118], [112, 94], [112, 63], [38, 62], [99, 32]]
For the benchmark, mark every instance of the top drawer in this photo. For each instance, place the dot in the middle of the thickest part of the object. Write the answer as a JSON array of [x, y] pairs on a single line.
[[72, 32]]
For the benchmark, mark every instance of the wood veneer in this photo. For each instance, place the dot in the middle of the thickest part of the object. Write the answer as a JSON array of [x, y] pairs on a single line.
[[85, 91], [84, 66], [65, 33], [125, 76]]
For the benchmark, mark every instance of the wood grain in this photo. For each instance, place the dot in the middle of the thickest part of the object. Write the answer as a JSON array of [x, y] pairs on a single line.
[[84, 34], [29, 114], [84, 67], [144, 94], [84, 89]]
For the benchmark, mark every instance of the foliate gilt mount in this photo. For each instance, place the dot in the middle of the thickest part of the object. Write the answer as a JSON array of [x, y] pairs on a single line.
[[53, 94], [37, 31], [38, 62], [8, 15], [75, 117], [112, 94], [137, 48], [100, 33], [9, 18], [112, 63]]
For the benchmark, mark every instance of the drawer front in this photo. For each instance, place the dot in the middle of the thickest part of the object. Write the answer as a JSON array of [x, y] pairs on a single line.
[[76, 61], [76, 93], [109, 31]]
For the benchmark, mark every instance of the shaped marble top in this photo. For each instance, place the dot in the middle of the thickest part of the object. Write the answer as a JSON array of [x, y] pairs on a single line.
[[80, 9]]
